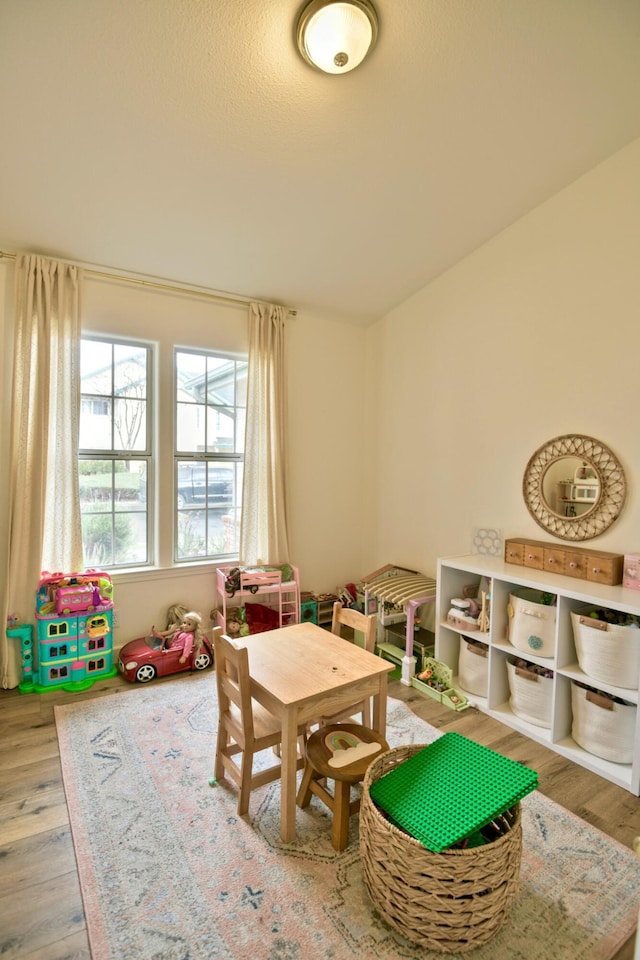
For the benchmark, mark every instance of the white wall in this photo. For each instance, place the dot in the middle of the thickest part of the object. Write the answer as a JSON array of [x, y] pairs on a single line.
[[329, 465], [534, 335]]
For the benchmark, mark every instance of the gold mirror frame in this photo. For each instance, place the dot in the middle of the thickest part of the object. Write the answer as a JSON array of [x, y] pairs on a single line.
[[612, 481]]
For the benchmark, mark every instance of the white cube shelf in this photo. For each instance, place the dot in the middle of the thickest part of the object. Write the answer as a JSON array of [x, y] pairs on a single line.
[[456, 573]]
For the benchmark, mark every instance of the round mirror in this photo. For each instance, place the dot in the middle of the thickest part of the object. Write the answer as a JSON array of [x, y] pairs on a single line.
[[574, 487], [571, 487]]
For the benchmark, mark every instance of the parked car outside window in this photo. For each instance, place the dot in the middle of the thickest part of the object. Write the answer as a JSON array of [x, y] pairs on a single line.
[[204, 485]]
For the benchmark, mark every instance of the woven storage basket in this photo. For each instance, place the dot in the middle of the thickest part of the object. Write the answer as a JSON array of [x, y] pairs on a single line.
[[607, 652], [473, 667], [531, 695], [606, 733], [449, 902], [532, 624]]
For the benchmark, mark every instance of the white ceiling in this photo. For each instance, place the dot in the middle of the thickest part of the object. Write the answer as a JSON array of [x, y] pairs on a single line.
[[186, 139]]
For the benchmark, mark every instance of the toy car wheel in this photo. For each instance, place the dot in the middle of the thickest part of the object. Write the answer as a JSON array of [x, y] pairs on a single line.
[[146, 673], [202, 661]]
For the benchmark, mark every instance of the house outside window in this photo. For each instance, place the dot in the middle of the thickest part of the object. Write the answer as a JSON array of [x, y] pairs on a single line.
[[115, 452], [210, 415]]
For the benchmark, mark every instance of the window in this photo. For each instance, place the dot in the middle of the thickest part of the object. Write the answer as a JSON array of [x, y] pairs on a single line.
[[115, 452], [58, 673], [210, 413], [202, 466]]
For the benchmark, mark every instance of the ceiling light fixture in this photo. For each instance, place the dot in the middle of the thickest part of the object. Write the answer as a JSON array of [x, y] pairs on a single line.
[[336, 35]]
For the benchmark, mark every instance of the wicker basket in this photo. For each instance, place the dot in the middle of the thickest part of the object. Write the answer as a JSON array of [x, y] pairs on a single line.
[[449, 902], [607, 652], [532, 624], [531, 695], [473, 666], [601, 726]]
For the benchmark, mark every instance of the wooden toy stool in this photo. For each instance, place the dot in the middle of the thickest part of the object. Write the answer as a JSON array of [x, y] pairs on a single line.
[[340, 752]]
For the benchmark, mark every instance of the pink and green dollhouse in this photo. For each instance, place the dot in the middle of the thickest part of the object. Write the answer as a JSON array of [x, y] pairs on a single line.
[[74, 633]]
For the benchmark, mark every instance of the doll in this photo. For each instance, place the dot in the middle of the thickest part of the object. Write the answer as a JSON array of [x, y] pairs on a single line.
[[184, 629], [188, 635], [175, 615], [236, 627]]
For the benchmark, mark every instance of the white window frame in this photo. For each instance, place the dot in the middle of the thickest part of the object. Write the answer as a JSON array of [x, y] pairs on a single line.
[[205, 459], [116, 454]]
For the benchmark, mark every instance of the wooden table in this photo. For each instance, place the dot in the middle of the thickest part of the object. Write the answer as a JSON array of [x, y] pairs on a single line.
[[302, 672]]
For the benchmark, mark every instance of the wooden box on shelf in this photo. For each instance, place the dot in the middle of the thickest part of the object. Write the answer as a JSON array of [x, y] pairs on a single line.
[[572, 561]]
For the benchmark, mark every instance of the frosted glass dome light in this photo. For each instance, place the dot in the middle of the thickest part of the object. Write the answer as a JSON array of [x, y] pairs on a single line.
[[336, 35]]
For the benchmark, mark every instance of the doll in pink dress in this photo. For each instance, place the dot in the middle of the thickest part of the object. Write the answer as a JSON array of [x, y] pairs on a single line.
[[185, 635]]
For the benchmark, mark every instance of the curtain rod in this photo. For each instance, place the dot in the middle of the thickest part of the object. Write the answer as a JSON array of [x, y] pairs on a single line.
[[170, 287]]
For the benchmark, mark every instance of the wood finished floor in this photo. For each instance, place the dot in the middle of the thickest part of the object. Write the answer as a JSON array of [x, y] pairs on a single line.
[[40, 903]]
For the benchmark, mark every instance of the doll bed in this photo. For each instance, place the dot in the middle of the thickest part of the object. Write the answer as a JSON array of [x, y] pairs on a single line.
[[262, 589]]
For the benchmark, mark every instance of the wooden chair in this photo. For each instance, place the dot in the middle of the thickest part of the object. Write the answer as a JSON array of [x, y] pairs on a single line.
[[340, 752], [360, 622], [244, 726]]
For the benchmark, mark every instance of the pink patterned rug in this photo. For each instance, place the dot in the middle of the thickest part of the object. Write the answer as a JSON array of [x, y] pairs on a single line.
[[169, 872]]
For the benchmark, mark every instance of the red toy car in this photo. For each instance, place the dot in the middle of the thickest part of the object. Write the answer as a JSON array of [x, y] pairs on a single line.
[[144, 659]]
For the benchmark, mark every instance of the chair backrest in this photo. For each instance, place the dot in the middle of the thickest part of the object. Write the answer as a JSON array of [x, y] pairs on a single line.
[[232, 678], [346, 616]]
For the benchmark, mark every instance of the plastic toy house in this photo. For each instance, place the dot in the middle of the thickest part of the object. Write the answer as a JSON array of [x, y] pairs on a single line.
[[395, 593], [74, 633]]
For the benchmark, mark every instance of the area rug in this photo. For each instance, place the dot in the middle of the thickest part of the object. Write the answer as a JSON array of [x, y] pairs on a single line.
[[168, 870]]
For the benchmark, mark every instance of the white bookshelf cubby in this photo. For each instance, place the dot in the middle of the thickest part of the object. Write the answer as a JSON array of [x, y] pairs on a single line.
[[456, 573]]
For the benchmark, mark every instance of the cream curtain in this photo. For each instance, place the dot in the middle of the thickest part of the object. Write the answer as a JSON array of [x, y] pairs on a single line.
[[44, 509], [263, 527]]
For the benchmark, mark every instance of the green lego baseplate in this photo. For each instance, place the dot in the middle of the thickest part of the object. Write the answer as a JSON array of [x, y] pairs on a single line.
[[450, 790]]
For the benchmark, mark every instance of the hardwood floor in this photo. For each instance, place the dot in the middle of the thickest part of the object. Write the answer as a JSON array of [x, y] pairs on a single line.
[[40, 901]]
